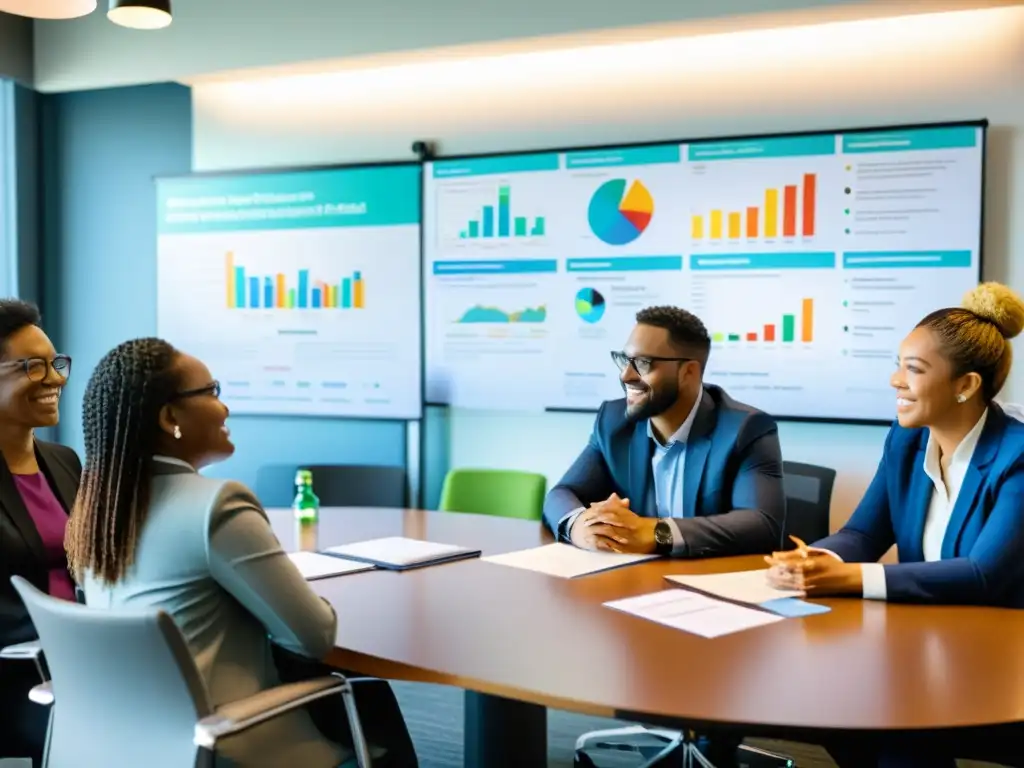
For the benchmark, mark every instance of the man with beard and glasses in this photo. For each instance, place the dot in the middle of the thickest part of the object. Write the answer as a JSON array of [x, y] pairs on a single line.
[[677, 467]]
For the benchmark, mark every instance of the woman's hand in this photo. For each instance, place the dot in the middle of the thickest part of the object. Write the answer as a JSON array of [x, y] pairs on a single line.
[[812, 570]]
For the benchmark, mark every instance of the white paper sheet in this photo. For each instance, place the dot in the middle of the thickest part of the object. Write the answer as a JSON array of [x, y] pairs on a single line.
[[693, 613], [742, 586], [316, 566], [565, 560], [397, 550]]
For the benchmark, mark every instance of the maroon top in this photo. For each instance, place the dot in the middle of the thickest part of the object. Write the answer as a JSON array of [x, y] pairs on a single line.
[[51, 520]]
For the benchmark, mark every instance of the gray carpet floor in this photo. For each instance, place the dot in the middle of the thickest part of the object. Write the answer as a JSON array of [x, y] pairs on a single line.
[[434, 714]]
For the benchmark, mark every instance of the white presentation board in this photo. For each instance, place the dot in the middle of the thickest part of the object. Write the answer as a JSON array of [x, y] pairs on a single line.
[[300, 290], [808, 257]]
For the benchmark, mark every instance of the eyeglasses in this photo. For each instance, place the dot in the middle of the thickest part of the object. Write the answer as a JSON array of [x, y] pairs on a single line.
[[643, 364], [37, 368], [213, 388]]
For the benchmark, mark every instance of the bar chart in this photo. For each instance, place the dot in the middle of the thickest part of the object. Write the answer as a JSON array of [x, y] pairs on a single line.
[[766, 221], [785, 330], [497, 221], [245, 291]]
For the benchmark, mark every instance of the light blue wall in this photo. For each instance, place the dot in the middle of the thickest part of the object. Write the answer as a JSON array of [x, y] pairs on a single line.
[[101, 151]]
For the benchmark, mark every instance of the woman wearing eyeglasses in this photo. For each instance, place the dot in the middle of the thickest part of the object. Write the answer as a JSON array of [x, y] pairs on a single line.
[[148, 531], [38, 483]]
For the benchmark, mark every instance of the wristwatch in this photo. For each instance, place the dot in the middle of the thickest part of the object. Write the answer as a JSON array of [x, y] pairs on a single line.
[[662, 537]]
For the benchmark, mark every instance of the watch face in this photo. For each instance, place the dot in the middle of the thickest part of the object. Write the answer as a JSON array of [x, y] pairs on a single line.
[[662, 533]]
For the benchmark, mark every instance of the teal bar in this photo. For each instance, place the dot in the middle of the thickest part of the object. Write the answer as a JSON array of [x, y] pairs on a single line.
[[538, 226], [483, 166], [788, 328], [474, 229], [906, 259], [782, 146], [604, 158], [626, 264], [741, 261], [240, 287], [341, 197], [346, 293], [520, 226], [954, 137]]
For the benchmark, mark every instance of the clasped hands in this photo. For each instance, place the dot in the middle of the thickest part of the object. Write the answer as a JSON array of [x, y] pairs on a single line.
[[812, 570], [611, 526]]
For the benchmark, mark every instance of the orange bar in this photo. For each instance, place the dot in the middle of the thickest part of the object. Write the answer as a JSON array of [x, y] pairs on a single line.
[[810, 194], [229, 280], [752, 222], [769, 332], [280, 299], [789, 212], [807, 321], [734, 225], [751, 337], [357, 293]]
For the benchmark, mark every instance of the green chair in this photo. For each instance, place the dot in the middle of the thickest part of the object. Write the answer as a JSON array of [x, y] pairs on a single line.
[[500, 492]]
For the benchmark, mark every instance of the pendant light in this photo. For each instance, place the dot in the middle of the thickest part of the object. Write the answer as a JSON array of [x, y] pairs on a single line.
[[48, 9], [140, 14]]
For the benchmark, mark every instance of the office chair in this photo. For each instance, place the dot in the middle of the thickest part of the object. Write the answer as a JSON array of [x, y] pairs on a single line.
[[336, 485], [808, 490], [125, 690], [498, 492]]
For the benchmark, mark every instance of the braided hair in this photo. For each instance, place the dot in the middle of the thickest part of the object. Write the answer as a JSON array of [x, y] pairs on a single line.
[[121, 411]]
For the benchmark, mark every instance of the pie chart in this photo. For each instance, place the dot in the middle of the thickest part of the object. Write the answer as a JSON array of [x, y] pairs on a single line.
[[589, 305], [618, 215]]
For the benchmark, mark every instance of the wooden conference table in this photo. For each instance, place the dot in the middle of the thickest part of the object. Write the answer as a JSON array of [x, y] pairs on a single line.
[[519, 641]]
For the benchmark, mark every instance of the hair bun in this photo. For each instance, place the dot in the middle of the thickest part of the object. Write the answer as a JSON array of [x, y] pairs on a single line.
[[999, 305]]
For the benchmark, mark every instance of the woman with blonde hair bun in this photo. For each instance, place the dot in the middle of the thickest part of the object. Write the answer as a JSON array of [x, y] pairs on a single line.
[[949, 490]]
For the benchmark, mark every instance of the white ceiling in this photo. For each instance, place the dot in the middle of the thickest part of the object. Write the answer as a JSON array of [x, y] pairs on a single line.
[[217, 36]]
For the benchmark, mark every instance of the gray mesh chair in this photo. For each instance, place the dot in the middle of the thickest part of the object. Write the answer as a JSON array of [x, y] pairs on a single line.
[[337, 485], [133, 669]]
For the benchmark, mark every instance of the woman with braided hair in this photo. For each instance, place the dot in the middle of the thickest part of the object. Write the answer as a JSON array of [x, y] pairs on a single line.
[[147, 530], [38, 482]]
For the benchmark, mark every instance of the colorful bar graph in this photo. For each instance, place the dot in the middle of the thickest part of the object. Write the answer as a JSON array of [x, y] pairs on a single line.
[[716, 225], [752, 222], [810, 195], [771, 213], [789, 211], [697, 227], [807, 321], [506, 225], [767, 333], [245, 291], [735, 225]]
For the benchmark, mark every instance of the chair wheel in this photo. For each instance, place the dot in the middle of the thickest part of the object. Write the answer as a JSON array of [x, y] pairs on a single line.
[[582, 760]]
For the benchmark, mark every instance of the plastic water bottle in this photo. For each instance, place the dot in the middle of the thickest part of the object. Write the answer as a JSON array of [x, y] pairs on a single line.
[[306, 505]]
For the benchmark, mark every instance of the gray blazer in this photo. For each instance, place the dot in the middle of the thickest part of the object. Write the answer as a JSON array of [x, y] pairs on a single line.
[[208, 557]]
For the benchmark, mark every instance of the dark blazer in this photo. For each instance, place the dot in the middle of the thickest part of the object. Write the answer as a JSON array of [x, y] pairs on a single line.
[[21, 548], [983, 549], [732, 487]]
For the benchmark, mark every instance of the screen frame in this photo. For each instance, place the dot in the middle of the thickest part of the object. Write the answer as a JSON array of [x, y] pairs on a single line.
[[327, 167], [982, 123]]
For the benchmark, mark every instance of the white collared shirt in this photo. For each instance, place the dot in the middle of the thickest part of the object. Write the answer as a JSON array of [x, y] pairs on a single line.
[[945, 491], [174, 461]]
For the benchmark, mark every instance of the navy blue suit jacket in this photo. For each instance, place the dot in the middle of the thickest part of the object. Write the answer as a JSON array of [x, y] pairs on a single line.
[[732, 486], [983, 549]]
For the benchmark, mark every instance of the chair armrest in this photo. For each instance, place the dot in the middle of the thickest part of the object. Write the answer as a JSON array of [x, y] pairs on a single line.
[[42, 694], [29, 651]]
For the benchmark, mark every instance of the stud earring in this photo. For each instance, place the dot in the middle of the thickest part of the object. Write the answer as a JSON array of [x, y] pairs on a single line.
[[961, 398], [177, 432]]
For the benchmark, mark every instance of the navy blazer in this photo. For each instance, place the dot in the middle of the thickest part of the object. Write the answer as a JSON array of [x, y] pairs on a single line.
[[732, 481], [983, 548]]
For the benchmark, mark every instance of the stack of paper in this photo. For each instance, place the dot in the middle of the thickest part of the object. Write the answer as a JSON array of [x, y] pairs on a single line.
[[400, 553], [565, 560], [697, 614], [743, 586], [316, 566]]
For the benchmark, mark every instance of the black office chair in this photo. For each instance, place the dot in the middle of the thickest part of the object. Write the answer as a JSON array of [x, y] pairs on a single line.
[[338, 485], [808, 490]]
